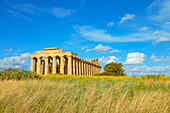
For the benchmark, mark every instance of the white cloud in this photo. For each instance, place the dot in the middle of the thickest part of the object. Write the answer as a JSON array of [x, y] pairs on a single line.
[[161, 59], [101, 35], [155, 33], [14, 62], [135, 58], [127, 17], [162, 39], [114, 51], [143, 28], [167, 23], [87, 48], [153, 57], [84, 47], [62, 12], [101, 48], [160, 10], [140, 70], [110, 24], [105, 60], [98, 48], [7, 50]]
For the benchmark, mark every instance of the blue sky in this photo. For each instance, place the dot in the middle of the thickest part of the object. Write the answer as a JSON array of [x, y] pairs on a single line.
[[133, 32]]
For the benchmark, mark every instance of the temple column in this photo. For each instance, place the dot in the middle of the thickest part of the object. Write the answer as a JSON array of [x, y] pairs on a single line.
[[89, 70], [95, 69], [77, 66], [32, 65], [54, 66], [74, 66], [80, 67], [46, 66], [41, 67], [84, 67], [100, 70], [69, 65], [92, 69], [38, 66], [62, 64]]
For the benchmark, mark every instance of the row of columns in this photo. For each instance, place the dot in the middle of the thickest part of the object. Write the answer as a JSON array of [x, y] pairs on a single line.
[[76, 66]]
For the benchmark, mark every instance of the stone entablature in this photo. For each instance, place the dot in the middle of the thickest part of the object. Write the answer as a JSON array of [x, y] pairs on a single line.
[[55, 60]]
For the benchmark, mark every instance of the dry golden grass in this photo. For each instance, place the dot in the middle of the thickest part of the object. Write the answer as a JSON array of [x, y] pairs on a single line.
[[81, 96]]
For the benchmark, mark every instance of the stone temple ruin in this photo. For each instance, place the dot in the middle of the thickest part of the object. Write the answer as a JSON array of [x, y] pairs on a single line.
[[55, 60]]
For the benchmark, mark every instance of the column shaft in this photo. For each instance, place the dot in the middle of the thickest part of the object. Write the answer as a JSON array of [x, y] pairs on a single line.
[[74, 66], [77, 67], [46, 66], [38, 66], [80, 67], [62, 64], [69, 65], [84, 68], [54, 66], [87, 69]]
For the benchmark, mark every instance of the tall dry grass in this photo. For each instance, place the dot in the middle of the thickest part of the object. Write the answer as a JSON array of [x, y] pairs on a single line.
[[80, 96]]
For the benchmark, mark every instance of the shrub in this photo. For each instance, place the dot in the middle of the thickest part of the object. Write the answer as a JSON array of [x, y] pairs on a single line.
[[97, 74], [17, 74], [154, 76], [108, 74]]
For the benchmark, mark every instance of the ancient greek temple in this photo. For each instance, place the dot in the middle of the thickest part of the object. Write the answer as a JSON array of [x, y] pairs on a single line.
[[55, 60]]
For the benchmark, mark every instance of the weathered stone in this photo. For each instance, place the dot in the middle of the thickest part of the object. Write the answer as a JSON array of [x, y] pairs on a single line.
[[68, 63]]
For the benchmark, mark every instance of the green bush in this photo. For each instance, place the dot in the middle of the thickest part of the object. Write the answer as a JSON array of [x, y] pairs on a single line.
[[108, 74], [154, 76], [17, 74], [97, 74]]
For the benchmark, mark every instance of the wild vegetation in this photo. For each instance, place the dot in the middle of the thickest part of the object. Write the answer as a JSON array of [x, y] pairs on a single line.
[[113, 69], [68, 93]]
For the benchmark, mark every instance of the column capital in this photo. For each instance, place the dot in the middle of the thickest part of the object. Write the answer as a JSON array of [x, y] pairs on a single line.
[[77, 59], [31, 57]]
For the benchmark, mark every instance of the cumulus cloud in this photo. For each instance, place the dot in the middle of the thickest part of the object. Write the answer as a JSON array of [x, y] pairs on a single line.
[[140, 70], [101, 35], [114, 51], [101, 48], [105, 60], [98, 48], [143, 28], [14, 62], [135, 58], [155, 33], [161, 59], [110, 24], [127, 17], [162, 39]]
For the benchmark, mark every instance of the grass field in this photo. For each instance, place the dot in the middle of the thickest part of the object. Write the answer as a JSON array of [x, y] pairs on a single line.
[[64, 93]]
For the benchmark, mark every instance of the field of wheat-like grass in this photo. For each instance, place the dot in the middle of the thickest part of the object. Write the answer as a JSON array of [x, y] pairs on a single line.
[[75, 94]]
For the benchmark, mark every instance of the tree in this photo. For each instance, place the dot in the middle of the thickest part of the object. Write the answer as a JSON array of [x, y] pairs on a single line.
[[115, 69]]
